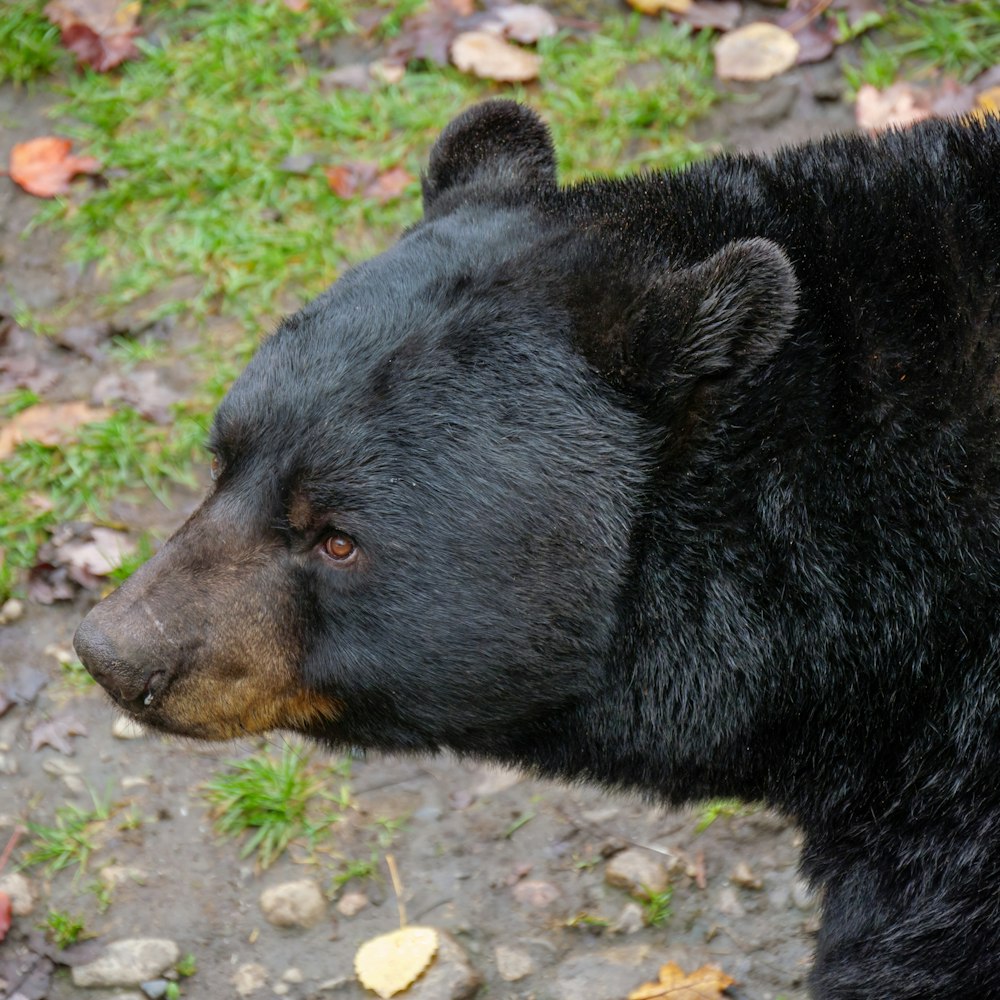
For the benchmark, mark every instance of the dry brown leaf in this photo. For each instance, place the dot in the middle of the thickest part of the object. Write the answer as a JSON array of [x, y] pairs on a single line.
[[705, 983], [389, 963], [44, 166], [756, 51], [659, 6], [899, 106], [47, 423], [100, 33], [489, 57], [389, 185], [56, 733]]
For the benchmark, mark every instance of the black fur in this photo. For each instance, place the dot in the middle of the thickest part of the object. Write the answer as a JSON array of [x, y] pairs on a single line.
[[688, 483]]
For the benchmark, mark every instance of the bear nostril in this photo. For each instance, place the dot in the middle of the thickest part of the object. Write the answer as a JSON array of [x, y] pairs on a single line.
[[154, 686]]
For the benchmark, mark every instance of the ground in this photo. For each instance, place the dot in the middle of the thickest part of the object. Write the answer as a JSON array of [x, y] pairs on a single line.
[[515, 870]]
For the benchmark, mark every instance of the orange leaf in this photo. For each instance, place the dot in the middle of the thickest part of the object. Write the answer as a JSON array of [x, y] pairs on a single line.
[[706, 983], [45, 166], [100, 33], [389, 185], [47, 423]]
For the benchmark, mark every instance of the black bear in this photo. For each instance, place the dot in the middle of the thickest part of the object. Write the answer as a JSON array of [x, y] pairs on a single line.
[[687, 483]]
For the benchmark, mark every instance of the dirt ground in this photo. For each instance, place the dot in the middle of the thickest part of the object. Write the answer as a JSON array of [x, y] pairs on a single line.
[[468, 841]]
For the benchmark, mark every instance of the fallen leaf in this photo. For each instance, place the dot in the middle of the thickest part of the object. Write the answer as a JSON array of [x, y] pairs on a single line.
[[347, 179], [26, 372], [721, 14], [658, 6], [389, 185], [363, 179], [987, 103], [526, 23], [388, 964], [756, 51], [56, 733], [428, 34], [899, 106], [491, 58], [144, 391], [703, 984], [44, 166], [100, 33], [47, 423], [5, 914], [102, 554], [296, 6]]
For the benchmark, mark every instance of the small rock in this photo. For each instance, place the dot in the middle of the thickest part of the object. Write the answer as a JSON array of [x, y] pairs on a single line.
[[249, 978], [21, 893], [630, 920], [513, 964], [154, 988], [280, 989], [74, 783], [744, 877], [450, 977], [127, 963], [729, 904], [8, 764], [535, 893], [293, 904], [124, 728], [59, 768], [603, 975], [352, 903], [292, 975], [636, 871], [802, 895], [11, 611]]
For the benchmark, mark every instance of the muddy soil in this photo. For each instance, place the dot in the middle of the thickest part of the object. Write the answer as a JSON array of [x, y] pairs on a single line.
[[466, 840]]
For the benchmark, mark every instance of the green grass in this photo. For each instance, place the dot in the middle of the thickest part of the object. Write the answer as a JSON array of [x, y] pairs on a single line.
[[656, 906], [71, 840], [197, 130], [193, 135], [952, 39], [63, 928], [29, 42], [716, 808], [44, 485], [267, 798]]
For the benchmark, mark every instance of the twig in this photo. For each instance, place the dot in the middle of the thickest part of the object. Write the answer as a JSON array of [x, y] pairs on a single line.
[[397, 888], [11, 844]]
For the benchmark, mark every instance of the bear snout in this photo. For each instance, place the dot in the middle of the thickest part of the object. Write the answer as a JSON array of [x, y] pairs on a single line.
[[120, 670]]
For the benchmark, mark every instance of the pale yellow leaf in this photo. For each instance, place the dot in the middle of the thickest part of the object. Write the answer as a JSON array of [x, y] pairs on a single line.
[[389, 963], [658, 6], [756, 51], [485, 55], [706, 983]]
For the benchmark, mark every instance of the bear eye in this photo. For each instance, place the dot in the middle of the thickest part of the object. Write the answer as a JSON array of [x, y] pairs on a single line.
[[341, 549]]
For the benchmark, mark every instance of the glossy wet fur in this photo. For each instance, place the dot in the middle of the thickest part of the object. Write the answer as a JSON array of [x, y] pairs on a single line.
[[687, 483]]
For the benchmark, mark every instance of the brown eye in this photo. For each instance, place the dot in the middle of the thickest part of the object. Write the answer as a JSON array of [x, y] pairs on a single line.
[[215, 468], [340, 549]]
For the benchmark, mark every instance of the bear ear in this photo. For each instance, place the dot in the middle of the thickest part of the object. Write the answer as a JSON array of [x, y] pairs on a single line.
[[494, 145], [718, 320]]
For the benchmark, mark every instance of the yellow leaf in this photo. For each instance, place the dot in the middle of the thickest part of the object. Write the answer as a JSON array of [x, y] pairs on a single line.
[[705, 983], [987, 103], [755, 52], [389, 963], [656, 6]]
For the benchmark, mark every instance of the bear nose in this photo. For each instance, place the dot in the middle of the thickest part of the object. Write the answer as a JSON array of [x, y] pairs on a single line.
[[125, 680]]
